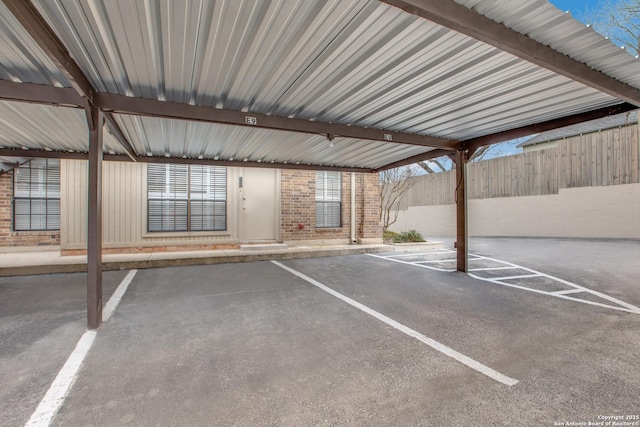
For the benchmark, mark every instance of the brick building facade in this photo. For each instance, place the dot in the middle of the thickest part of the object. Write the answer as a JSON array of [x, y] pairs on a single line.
[[126, 230], [298, 209]]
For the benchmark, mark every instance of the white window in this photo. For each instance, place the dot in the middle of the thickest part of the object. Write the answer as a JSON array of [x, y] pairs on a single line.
[[328, 199], [186, 198], [36, 195]]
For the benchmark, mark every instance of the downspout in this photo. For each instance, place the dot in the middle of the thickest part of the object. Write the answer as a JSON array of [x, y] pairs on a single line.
[[353, 207]]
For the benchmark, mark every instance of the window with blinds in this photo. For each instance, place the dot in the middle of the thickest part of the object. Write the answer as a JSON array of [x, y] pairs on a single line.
[[186, 198], [328, 199], [36, 195]]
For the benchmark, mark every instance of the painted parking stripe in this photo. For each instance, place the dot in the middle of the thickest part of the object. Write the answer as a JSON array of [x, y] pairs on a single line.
[[621, 305], [492, 268], [446, 270], [54, 398], [630, 308], [522, 276], [435, 261], [465, 360], [420, 254], [113, 302], [56, 394], [570, 291]]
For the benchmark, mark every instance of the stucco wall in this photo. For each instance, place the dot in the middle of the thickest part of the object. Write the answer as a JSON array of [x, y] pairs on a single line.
[[589, 212]]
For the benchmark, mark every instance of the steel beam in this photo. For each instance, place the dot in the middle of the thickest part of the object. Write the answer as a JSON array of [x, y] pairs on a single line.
[[44, 36], [14, 152], [462, 234], [433, 154], [548, 125], [508, 135], [94, 223], [174, 110], [466, 21], [237, 164], [117, 133], [42, 154], [40, 94]]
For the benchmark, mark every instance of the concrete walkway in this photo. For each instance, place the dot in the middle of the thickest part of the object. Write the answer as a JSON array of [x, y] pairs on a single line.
[[45, 262]]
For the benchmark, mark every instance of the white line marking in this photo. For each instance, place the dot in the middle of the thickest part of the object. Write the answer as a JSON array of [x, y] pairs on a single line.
[[570, 291], [418, 254], [56, 394], [496, 280], [435, 261], [522, 276], [492, 268], [632, 308], [412, 263], [552, 294], [465, 360], [54, 398], [113, 302]]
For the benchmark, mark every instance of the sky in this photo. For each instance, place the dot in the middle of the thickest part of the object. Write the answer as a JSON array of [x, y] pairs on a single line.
[[577, 7]]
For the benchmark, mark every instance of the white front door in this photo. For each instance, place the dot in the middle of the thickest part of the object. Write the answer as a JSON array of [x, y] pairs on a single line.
[[259, 200]]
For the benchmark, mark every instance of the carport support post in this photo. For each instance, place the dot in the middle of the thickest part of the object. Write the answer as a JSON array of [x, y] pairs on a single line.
[[94, 223], [462, 236]]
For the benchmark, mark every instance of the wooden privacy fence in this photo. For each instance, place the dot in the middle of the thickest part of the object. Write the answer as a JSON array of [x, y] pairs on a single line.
[[608, 157]]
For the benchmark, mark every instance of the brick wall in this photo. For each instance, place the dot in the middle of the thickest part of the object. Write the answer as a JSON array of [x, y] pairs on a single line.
[[10, 238], [298, 207], [369, 207]]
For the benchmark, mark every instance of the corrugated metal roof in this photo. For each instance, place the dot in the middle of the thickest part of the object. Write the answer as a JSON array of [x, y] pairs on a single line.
[[33, 127], [547, 24], [179, 138], [21, 60], [582, 128], [354, 62], [357, 62]]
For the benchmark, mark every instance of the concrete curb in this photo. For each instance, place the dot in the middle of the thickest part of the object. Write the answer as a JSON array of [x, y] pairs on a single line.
[[218, 258]]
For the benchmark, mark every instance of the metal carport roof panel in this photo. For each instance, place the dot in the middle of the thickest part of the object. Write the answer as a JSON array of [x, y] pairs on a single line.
[[359, 62], [197, 140], [21, 60], [543, 22], [34, 127], [362, 63]]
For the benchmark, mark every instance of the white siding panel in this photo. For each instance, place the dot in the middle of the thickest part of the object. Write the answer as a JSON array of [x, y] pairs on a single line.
[[125, 209], [73, 202]]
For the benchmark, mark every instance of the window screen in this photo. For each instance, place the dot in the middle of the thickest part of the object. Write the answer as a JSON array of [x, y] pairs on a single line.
[[328, 199], [186, 198], [36, 195]]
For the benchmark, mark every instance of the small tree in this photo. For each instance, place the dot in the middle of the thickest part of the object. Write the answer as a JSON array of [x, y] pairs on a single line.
[[619, 20], [394, 184]]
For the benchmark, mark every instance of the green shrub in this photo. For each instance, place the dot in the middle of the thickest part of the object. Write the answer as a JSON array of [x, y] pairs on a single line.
[[388, 236], [410, 236]]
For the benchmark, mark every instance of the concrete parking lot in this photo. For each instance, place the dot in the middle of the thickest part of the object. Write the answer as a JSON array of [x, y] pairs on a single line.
[[357, 340]]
